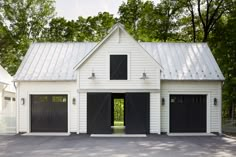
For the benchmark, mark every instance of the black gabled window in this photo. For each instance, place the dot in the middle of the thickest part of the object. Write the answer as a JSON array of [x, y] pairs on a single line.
[[118, 67]]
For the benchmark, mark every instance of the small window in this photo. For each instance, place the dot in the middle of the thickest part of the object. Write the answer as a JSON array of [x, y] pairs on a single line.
[[13, 99], [58, 98], [7, 98], [40, 98], [118, 67], [180, 99]]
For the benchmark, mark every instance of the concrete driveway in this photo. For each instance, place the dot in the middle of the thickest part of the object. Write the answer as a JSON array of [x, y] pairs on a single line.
[[82, 145]]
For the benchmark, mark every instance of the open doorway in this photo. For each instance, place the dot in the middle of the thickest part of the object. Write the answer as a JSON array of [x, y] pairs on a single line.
[[118, 113]]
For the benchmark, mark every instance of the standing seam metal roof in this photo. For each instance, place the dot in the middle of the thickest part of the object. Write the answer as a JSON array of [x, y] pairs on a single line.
[[180, 61]]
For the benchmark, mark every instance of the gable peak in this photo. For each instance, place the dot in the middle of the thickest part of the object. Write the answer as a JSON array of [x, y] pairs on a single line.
[[116, 26]]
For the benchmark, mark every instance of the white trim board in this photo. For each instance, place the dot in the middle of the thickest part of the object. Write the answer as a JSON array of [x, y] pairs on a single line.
[[46, 134], [118, 135], [191, 134]]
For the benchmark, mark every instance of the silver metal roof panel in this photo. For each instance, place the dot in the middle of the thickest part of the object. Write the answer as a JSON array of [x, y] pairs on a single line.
[[180, 61]]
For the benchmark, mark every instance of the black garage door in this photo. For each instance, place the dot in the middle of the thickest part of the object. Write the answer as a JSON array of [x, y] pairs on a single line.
[[187, 113], [99, 113], [48, 113], [137, 113]]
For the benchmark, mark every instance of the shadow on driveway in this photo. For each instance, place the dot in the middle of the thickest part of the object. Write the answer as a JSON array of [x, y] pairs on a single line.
[[83, 145]]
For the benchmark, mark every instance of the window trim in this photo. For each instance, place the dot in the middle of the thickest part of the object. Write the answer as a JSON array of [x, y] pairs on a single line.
[[108, 65]]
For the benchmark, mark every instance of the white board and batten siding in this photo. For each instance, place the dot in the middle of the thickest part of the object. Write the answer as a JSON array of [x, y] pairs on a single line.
[[210, 88], [138, 62], [25, 89]]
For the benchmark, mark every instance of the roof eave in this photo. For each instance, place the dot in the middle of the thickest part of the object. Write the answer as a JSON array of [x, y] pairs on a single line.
[[192, 79]]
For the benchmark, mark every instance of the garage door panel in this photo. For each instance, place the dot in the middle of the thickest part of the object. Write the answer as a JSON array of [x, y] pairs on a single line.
[[188, 113], [197, 114], [48, 115], [178, 119]]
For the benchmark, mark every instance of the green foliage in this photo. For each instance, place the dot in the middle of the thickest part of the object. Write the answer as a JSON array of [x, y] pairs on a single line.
[[130, 14], [83, 29], [119, 110], [223, 44], [21, 22]]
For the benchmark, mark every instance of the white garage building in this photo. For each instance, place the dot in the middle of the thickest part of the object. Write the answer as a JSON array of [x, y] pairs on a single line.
[[166, 87]]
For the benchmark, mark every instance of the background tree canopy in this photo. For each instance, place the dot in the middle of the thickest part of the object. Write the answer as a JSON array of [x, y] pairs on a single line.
[[213, 21]]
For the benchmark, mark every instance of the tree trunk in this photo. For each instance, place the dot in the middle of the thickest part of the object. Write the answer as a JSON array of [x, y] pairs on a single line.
[[205, 36], [193, 26]]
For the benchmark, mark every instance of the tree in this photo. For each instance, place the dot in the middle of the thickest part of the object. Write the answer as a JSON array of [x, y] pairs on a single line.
[[130, 14], [223, 44], [206, 13], [93, 28], [190, 5], [147, 26], [213, 10], [23, 22], [58, 31], [99, 25], [169, 12], [147, 22]]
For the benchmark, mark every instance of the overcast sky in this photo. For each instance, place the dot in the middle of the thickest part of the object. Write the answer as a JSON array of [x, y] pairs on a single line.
[[71, 9]]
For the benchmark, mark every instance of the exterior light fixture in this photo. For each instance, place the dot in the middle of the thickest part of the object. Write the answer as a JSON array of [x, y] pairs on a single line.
[[144, 77], [92, 76], [163, 101], [215, 101], [22, 101], [73, 101]]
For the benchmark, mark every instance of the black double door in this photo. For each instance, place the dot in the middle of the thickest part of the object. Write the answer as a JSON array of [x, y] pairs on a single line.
[[49, 113], [187, 113], [99, 113], [137, 113]]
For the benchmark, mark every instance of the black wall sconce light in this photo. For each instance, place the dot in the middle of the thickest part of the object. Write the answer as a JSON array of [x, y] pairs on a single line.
[[73, 101], [144, 76], [163, 101], [92, 77], [22, 101], [215, 101]]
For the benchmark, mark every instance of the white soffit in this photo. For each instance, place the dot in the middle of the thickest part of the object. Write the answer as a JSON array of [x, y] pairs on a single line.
[[180, 61]]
